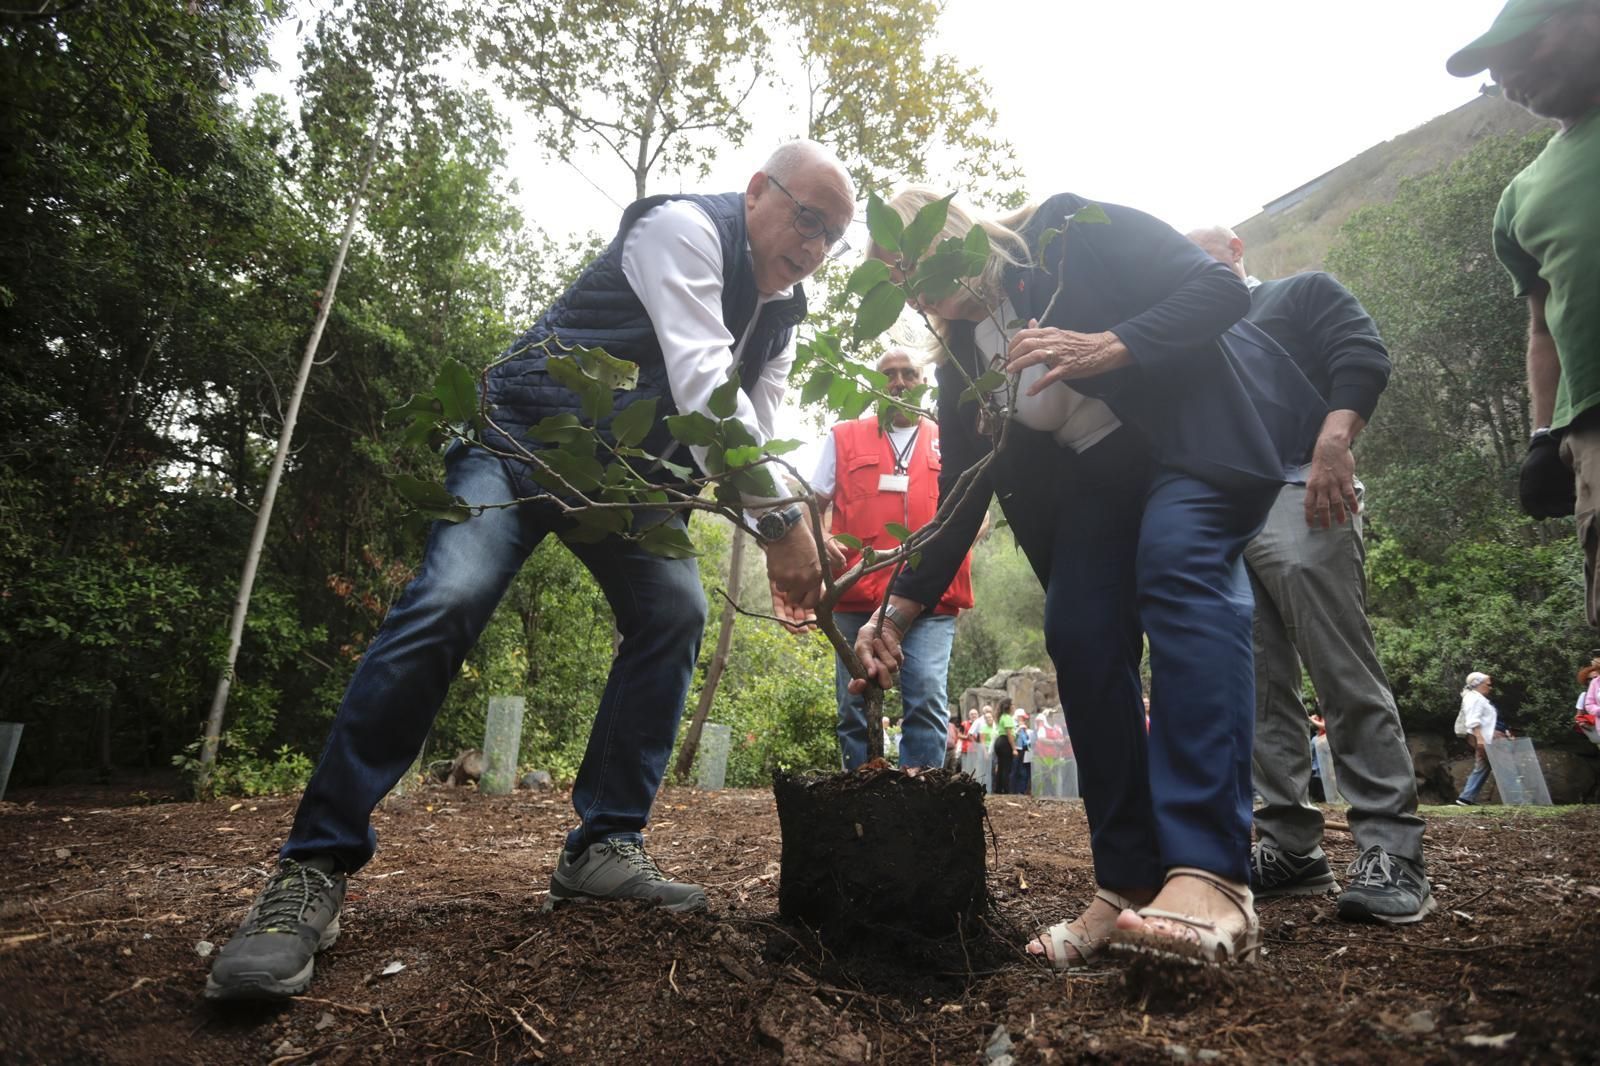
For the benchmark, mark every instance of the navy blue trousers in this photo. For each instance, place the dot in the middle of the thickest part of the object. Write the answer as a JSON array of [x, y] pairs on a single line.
[[1143, 552], [401, 682]]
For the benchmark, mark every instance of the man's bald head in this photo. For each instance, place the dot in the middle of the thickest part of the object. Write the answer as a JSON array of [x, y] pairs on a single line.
[[1221, 244]]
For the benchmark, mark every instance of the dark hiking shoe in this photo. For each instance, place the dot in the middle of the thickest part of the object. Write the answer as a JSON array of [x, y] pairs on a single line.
[[620, 869], [1385, 889], [296, 916], [1275, 873]]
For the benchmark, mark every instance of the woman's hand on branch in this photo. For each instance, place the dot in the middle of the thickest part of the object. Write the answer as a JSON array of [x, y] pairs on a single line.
[[1069, 355], [878, 648]]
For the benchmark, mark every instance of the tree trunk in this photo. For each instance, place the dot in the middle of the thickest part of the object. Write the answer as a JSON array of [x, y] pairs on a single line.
[[719, 661], [258, 536]]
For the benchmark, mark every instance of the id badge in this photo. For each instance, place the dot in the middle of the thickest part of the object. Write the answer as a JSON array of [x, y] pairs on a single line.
[[894, 482]]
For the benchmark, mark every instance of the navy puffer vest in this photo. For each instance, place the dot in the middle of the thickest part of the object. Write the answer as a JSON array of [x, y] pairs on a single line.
[[600, 310]]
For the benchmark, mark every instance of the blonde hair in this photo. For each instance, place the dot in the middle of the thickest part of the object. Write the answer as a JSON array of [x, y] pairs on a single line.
[[1007, 249]]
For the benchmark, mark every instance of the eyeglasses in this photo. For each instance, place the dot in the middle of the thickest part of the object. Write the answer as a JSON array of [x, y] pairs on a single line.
[[810, 225]]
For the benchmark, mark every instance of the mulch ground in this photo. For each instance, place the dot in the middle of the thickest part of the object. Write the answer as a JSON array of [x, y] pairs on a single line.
[[107, 900]]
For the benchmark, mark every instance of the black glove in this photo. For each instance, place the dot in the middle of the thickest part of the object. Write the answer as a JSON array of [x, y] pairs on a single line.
[[1545, 484]]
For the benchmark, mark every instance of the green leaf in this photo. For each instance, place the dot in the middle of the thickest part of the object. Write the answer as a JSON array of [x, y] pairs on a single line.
[[693, 429], [924, 228], [725, 398], [899, 532], [668, 540], [985, 383], [1046, 239], [816, 387], [558, 429], [851, 542], [741, 456], [883, 224], [783, 447], [977, 243], [457, 392], [878, 310], [596, 524], [867, 276], [856, 404], [593, 397], [634, 422], [431, 499], [734, 433], [1091, 214], [581, 472], [612, 373]]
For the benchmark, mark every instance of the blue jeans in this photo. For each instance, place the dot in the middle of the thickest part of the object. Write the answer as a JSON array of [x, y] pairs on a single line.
[[1479, 774], [402, 679], [1146, 552], [924, 684]]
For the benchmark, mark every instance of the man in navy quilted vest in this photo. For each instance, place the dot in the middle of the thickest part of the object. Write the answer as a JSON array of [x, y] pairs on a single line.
[[691, 288]]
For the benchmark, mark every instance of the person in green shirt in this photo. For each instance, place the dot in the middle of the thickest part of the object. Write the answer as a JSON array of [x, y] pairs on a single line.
[[1004, 741], [1545, 55]]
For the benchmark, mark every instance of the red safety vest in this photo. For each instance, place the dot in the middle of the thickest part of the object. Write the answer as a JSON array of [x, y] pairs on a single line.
[[862, 455]]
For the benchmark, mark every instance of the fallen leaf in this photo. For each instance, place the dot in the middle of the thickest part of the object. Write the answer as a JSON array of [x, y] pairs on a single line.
[[204, 949], [235, 807], [393, 968], [1488, 1041], [63, 853]]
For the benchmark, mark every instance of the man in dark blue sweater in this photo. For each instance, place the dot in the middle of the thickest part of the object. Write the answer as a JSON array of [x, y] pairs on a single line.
[[1306, 568], [692, 289]]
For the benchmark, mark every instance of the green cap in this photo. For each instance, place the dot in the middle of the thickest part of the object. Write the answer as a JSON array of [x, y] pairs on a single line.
[[1517, 19]]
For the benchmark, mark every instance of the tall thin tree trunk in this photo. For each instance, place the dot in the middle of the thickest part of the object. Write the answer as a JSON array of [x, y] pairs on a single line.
[[258, 537], [719, 661]]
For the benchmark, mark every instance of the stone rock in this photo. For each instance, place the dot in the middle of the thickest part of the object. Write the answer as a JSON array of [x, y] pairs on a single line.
[[1571, 777], [537, 780], [467, 767], [1430, 760]]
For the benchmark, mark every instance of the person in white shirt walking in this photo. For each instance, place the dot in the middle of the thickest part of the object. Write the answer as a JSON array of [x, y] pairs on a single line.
[[1479, 722], [692, 289]]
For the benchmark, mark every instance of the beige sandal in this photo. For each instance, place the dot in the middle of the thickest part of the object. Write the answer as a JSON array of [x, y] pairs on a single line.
[[1211, 946], [1059, 937]]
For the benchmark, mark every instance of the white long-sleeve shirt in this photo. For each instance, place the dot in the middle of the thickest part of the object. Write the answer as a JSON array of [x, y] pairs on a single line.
[[1477, 717], [672, 258]]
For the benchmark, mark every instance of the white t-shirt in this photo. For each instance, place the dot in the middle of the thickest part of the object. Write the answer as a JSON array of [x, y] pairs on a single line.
[[1079, 422], [826, 479], [672, 258]]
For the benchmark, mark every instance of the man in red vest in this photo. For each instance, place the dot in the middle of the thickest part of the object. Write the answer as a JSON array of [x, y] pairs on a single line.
[[873, 479]]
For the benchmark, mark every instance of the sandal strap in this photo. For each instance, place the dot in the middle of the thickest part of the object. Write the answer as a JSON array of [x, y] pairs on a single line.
[[1121, 903], [1241, 901]]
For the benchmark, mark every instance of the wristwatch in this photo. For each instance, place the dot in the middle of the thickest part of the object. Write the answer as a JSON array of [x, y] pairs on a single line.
[[897, 618], [775, 525]]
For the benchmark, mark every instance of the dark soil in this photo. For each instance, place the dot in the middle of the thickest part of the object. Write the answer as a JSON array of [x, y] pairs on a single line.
[[874, 858], [105, 897]]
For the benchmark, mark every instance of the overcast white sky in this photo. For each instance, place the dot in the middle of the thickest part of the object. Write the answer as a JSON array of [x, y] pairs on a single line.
[[1197, 111]]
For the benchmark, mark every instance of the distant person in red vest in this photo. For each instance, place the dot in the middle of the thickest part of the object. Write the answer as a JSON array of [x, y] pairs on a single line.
[[873, 479]]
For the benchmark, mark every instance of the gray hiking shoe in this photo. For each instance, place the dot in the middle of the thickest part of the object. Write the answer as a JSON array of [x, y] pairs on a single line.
[[1275, 873], [271, 956], [1385, 889], [620, 869]]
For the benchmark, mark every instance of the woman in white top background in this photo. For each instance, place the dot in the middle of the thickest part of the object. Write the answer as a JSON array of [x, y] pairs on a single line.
[[1477, 721]]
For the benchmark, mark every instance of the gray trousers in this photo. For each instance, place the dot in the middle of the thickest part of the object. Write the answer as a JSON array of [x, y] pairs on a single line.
[[1310, 588]]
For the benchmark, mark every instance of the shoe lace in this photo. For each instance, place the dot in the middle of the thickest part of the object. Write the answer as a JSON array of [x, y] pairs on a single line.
[[1374, 869], [1269, 865], [292, 891], [634, 855]]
